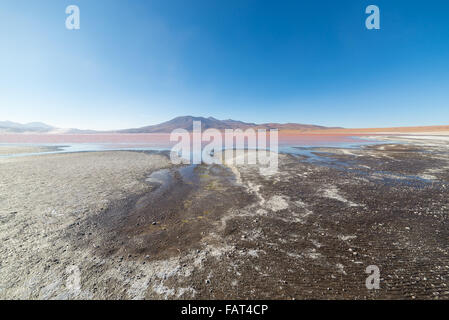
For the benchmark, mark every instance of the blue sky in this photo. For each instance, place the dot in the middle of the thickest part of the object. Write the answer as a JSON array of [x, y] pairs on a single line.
[[135, 63]]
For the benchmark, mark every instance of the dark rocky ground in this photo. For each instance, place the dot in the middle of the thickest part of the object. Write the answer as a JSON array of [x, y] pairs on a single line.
[[307, 232]]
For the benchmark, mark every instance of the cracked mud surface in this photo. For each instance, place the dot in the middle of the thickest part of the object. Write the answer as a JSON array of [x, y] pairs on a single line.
[[213, 232]]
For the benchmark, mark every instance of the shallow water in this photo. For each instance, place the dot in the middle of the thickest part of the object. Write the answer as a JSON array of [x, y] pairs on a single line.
[[161, 143], [78, 147], [326, 159]]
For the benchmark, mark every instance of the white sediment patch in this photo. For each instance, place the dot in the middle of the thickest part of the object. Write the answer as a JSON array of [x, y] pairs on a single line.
[[315, 243], [254, 189], [254, 253], [341, 268], [236, 172], [166, 292], [139, 288], [349, 153], [428, 137], [304, 206], [312, 254], [277, 203], [307, 254], [430, 174], [254, 235], [435, 139], [332, 192], [427, 177], [294, 255], [437, 170], [163, 291], [172, 268], [185, 291], [346, 238]]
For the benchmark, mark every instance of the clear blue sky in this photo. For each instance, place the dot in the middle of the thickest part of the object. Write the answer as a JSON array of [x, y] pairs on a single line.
[[135, 63]]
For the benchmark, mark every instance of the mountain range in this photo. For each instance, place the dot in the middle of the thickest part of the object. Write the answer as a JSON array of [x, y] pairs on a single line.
[[185, 122], [14, 127]]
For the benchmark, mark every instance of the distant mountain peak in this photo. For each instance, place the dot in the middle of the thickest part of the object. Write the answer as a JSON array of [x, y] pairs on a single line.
[[15, 127], [181, 122], [186, 122]]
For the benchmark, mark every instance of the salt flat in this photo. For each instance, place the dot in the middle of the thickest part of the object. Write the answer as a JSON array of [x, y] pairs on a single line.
[[136, 227]]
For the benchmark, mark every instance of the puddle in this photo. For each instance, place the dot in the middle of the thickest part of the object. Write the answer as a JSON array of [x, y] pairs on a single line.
[[79, 147], [179, 210], [311, 155]]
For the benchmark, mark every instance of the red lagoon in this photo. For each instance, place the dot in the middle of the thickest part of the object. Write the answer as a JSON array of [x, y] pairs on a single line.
[[163, 139]]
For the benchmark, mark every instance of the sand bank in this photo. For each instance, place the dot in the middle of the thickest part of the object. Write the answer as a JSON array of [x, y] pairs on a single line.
[[41, 196], [17, 149]]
